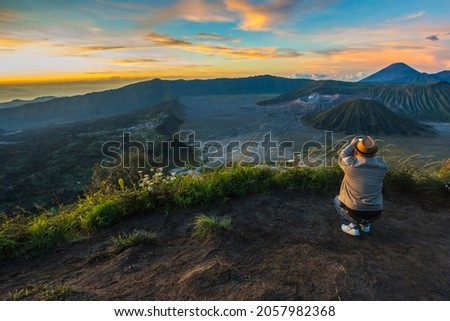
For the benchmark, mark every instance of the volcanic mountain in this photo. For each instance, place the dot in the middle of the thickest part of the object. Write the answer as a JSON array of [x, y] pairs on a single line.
[[401, 73], [363, 116], [424, 101]]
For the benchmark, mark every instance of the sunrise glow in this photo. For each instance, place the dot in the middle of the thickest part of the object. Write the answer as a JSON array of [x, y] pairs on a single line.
[[105, 40]]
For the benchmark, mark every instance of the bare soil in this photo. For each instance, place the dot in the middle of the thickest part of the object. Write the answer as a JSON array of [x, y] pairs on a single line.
[[283, 246]]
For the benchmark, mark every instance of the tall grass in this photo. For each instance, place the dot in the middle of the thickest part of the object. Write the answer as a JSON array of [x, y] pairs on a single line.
[[23, 234]]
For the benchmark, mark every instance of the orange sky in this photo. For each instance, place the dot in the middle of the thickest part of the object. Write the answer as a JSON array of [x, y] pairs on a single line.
[[45, 42]]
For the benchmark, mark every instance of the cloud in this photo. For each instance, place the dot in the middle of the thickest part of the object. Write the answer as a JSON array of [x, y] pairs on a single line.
[[135, 60], [353, 77], [6, 41], [266, 16], [166, 40], [192, 10], [83, 50], [213, 36], [7, 16], [287, 53], [213, 50], [432, 38], [261, 17], [103, 48], [408, 17], [309, 76]]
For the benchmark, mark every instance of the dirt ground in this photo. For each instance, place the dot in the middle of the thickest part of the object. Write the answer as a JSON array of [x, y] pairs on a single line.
[[283, 246]]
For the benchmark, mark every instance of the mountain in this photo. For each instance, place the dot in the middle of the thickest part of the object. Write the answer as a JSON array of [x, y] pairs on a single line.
[[20, 102], [392, 73], [422, 101], [133, 97], [401, 73], [363, 116], [445, 75]]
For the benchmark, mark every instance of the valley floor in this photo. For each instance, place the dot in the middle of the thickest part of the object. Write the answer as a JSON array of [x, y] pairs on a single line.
[[283, 246]]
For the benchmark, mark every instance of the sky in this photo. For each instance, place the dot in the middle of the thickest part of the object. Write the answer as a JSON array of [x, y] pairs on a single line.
[[114, 42]]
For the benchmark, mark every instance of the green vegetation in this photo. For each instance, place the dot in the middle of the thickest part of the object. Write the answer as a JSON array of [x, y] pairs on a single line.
[[205, 226], [45, 292], [22, 235], [124, 241]]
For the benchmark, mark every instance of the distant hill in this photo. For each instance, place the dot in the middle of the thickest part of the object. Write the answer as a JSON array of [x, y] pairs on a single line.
[[401, 73], [363, 116], [445, 75], [20, 102], [423, 101], [133, 97]]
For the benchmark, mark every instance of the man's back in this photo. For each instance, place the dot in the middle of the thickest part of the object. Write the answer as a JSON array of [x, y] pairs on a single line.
[[361, 188]]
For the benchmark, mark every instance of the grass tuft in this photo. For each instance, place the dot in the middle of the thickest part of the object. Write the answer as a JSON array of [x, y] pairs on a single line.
[[205, 226], [124, 241]]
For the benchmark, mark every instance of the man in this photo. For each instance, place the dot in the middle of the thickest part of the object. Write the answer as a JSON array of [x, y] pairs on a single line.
[[360, 200]]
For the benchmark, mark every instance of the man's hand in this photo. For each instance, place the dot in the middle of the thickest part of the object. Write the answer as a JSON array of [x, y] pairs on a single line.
[[355, 139]]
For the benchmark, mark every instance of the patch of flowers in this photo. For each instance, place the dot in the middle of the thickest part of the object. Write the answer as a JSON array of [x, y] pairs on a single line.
[[149, 182]]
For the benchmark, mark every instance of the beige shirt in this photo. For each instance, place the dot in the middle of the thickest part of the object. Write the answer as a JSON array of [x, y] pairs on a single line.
[[361, 188]]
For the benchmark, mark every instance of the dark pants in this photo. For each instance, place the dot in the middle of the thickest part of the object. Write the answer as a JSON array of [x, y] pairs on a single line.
[[357, 217]]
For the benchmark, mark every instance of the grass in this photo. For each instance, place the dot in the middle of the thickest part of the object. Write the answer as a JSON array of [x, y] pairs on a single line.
[[124, 241], [45, 292], [205, 226], [23, 235]]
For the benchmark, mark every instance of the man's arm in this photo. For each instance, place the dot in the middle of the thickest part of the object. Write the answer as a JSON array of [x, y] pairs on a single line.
[[347, 154]]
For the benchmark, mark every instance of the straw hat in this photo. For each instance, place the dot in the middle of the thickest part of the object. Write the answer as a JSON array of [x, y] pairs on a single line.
[[366, 146]]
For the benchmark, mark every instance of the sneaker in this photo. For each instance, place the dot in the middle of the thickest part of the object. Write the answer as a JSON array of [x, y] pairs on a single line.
[[365, 227], [351, 229]]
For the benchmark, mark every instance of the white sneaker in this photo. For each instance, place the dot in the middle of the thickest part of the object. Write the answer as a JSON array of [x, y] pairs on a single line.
[[351, 229], [365, 227]]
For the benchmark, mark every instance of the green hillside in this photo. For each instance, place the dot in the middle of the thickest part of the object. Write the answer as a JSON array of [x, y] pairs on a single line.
[[362, 116]]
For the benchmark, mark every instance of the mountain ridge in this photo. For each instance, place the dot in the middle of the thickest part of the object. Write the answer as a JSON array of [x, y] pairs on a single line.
[[365, 116], [401, 73], [133, 97], [422, 101]]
